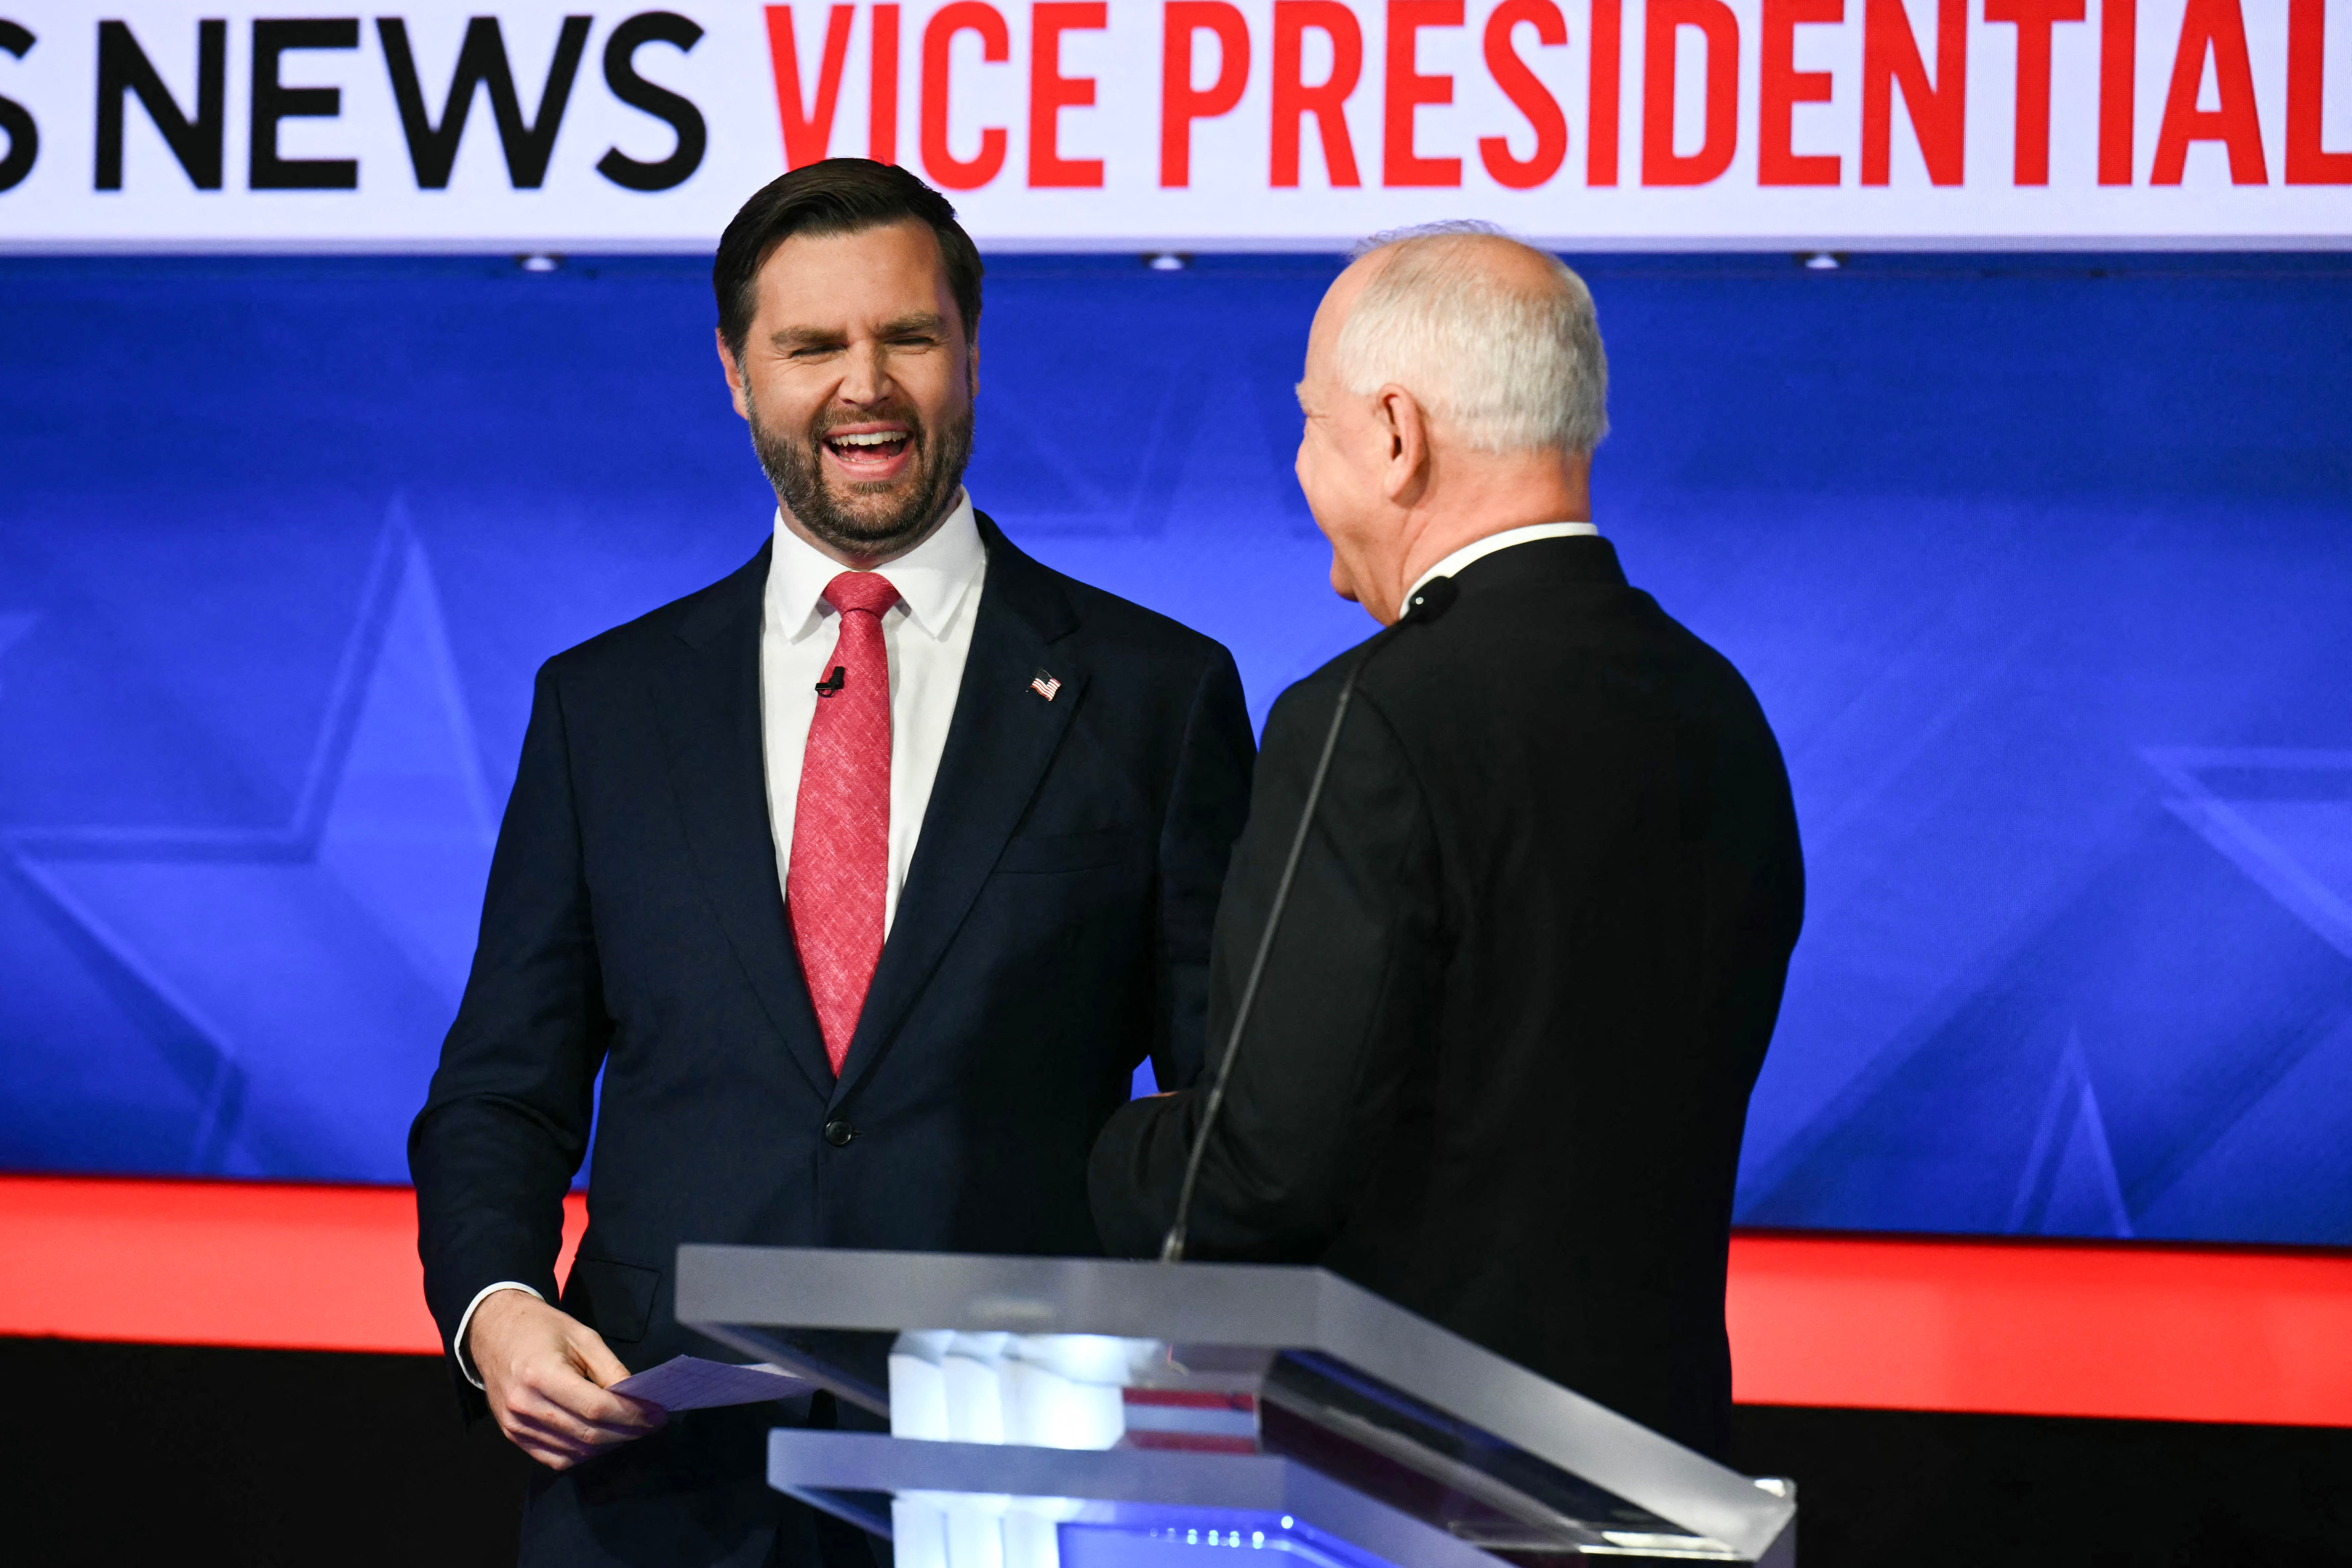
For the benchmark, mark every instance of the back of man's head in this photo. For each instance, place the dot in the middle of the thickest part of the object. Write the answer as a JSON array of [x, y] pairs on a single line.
[[1495, 339], [837, 196]]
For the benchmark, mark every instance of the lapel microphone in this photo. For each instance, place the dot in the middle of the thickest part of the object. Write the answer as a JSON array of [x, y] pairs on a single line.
[[1435, 597], [834, 682]]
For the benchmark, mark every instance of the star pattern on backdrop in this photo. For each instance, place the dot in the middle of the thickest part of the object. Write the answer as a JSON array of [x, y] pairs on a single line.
[[323, 959], [2068, 1185], [2281, 815]]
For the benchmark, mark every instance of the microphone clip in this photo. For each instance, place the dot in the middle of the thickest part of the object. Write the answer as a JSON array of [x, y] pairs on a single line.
[[1436, 597], [834, 682]]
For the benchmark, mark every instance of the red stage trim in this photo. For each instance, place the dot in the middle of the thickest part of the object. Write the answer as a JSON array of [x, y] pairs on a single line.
[[2162, 1333], [220, 1263], [2114, 1329]]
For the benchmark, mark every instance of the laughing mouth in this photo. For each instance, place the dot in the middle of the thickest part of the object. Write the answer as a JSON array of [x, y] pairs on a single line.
[[867, 448]]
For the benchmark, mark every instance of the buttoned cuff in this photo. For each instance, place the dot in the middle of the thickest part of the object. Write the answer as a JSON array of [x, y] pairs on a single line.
[[465, 1361]]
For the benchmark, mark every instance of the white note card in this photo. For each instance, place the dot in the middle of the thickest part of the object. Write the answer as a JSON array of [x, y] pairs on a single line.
[[691, 1383]]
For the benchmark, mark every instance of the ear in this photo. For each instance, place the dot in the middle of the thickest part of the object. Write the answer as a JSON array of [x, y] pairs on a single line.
[[734, 372], [1405, 465], [972, 367]]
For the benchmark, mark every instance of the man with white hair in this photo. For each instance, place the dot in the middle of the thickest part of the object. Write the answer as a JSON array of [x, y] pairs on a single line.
[[1491, 1056]]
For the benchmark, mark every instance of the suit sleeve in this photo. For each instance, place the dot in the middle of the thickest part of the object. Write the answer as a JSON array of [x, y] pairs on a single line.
[[1206, 805], [505, 1122], [1349, 988]]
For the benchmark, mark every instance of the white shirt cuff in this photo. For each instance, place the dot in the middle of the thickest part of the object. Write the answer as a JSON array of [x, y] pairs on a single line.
[[465, 1361]]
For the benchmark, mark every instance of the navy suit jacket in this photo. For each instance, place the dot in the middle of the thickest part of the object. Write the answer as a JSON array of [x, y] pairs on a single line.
[[1054, 929]]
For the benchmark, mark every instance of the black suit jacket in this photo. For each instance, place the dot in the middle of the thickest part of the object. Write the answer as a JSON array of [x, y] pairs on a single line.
[[1499, 1066], [1053, 930]]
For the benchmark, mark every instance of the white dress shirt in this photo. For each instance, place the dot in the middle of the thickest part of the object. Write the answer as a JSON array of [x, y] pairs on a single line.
[[1479, 549], [927, 637], [927, 634]]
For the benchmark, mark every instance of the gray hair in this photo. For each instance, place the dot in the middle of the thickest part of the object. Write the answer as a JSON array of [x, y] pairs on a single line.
[[1506, 369]]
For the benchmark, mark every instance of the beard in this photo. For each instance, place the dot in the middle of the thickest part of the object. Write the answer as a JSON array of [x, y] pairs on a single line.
[[874, 519]]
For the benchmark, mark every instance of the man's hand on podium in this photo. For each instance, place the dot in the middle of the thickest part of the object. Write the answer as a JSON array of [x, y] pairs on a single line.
[[545, 1372]]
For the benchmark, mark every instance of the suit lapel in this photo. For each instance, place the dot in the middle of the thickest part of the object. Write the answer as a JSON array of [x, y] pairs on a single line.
[[1000, 743], [710, 712]]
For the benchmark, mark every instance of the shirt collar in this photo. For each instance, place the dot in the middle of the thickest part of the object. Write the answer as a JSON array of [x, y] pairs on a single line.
[[934, 579], [1479, 549]]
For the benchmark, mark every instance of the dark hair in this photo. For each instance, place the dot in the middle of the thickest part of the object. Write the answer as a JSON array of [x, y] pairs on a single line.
[[837, 196]]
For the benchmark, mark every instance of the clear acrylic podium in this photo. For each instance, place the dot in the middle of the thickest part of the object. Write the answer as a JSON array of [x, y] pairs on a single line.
[[1070, 1412]]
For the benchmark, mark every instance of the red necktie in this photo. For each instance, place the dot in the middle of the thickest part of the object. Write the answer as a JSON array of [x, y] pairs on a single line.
[[841, 827]]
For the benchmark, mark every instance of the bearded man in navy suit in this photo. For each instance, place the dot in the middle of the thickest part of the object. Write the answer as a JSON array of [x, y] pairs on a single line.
[[865, 876]]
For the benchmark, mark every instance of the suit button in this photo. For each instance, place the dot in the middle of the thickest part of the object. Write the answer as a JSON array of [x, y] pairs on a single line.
[[838, 1133]]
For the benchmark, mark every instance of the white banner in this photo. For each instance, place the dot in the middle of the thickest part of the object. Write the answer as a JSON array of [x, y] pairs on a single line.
[[1189, 125]]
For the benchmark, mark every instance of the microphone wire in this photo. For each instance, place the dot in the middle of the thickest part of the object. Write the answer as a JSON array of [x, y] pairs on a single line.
[[1429, 603]]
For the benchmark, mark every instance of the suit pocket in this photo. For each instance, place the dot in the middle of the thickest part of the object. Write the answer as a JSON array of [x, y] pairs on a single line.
[[616, 1299], [1031, 854]]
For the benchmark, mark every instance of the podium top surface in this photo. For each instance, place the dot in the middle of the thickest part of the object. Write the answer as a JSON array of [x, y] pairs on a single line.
[[745, 1295]]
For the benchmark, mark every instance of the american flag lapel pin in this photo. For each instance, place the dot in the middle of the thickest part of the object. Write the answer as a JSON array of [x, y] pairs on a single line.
[[1045, 685]]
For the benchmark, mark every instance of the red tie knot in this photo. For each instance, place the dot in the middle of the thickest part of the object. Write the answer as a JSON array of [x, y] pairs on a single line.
[[868, 591]]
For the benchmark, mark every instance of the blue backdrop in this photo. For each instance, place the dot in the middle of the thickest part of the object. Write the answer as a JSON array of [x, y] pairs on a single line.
[[2042, 568]]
